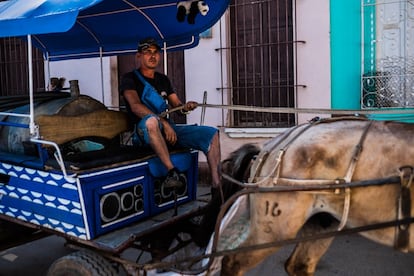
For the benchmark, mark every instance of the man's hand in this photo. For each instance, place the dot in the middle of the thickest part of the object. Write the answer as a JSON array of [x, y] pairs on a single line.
[[190, 105], [170, 135]]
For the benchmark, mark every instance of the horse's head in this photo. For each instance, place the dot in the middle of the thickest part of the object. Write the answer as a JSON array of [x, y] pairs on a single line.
[[237, 166]]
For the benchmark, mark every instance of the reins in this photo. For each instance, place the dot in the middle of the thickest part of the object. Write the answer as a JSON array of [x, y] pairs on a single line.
[[350, 173], [402, 233], [287, 140], [336, 184], [405, 180], [215, 254], [222, 253], [292, 110]]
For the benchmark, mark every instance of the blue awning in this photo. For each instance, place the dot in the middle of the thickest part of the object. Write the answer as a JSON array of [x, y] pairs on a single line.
[[19, 18], [90, 28]]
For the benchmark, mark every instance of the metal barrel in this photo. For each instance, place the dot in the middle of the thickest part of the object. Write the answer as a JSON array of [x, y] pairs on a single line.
[[15, 138]]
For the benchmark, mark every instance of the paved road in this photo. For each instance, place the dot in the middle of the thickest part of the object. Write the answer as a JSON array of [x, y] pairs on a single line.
[[33, 258], [349, 255]]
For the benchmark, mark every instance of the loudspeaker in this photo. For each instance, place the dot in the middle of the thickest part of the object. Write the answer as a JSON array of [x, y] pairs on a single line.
[[121, 204]]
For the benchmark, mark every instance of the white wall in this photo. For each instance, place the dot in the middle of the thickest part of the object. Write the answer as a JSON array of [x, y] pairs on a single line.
[[203, 72], [313, 57], [88, 73]]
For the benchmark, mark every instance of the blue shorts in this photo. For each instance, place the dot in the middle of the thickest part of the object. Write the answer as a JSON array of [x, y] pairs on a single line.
[[188, 136]]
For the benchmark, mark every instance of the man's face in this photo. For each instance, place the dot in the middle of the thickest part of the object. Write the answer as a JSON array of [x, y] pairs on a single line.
[[150, 57]]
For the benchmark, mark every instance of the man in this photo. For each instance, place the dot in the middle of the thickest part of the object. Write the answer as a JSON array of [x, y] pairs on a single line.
[[144, 105]]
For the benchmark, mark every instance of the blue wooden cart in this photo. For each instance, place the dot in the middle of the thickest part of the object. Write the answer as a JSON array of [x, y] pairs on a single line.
[[95, 189]]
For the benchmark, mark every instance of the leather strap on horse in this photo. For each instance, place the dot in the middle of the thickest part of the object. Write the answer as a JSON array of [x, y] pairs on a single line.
[[350, 170], [287, 140], [402, 231], [283, 144], [283, 150], [349, 174]]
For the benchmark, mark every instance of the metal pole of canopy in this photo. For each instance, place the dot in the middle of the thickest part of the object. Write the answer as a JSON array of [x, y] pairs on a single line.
[[102, 76], [46, 57], [32, 126], [165, 59]]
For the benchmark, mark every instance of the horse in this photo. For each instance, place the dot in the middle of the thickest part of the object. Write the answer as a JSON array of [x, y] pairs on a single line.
[[317, 177]]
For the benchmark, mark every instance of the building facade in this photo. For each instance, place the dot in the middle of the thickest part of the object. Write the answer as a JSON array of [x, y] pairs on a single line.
[[322, 54]]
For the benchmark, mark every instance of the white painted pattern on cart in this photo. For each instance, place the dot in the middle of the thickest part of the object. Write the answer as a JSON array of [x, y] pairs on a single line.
[[35, 197]]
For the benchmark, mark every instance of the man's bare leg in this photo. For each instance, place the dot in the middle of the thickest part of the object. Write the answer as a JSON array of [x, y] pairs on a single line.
[[213, 160], [157, 142]]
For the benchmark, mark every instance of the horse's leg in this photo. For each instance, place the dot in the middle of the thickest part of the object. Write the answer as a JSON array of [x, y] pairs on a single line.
[[239, 264], [306, 255]]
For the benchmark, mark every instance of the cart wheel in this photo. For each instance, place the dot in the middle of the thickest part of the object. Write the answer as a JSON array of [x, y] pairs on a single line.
[[85, 263]]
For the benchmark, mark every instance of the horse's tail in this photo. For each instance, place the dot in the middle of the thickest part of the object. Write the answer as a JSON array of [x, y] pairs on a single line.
[[237, 165]]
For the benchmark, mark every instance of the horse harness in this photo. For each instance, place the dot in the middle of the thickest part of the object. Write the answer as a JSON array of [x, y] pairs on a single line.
[[402, 233], [406, 176]]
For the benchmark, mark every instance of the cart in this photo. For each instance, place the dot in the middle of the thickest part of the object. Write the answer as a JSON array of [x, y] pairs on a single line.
[[66, 165]]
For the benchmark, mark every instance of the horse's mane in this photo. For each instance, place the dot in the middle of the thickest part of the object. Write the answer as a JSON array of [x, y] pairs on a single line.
[[238, 163]]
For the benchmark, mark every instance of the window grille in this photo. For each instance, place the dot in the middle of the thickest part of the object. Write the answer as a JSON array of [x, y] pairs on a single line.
[[388, 54], [262, 61], [14, 76]]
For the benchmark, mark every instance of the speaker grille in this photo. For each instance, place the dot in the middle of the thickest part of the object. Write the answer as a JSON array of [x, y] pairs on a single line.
[[121, 204]]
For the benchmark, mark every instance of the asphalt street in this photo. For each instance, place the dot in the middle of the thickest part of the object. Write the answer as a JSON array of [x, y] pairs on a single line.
[[349, 255]]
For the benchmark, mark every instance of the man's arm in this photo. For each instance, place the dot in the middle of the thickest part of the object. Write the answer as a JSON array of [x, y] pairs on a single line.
[[141, 110], [137, 107], [174, 101]]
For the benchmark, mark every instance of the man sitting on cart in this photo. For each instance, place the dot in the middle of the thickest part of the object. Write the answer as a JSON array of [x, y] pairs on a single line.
[[143, 90]]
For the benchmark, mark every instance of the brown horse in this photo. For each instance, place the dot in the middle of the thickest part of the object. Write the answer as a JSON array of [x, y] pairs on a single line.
[[323, 153]]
